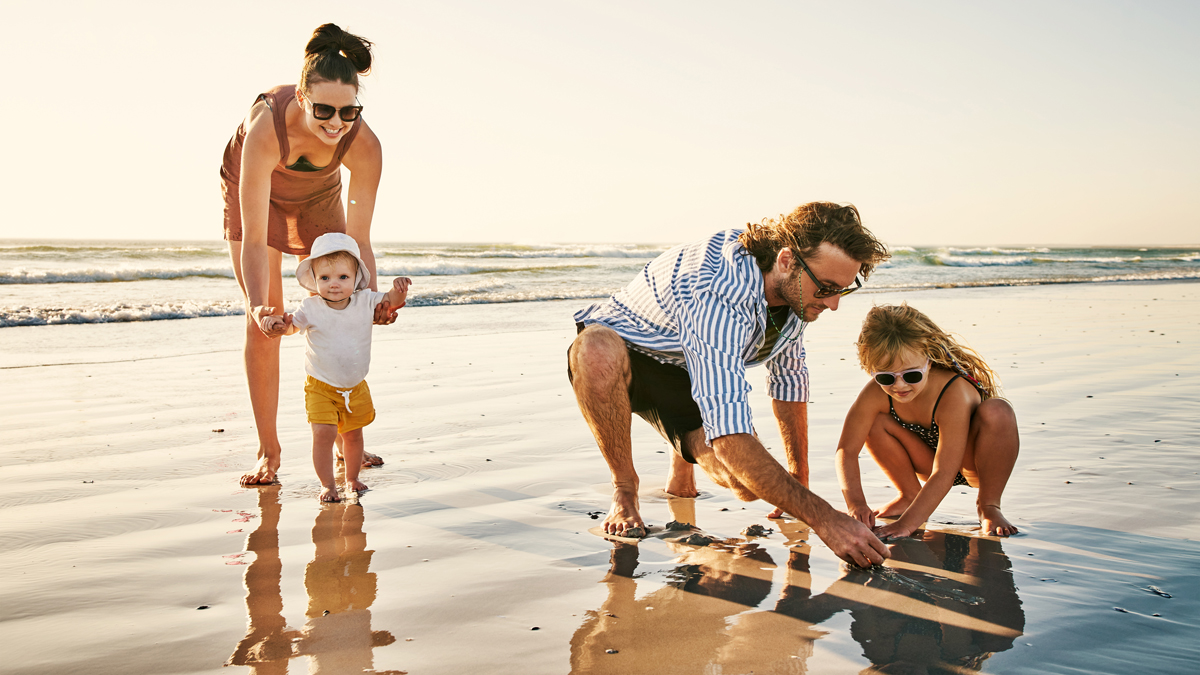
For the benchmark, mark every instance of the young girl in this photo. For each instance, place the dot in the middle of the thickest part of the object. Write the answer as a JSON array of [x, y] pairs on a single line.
[[930, 414]]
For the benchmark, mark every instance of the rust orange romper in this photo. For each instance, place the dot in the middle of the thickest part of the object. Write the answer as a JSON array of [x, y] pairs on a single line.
[[304, 204]]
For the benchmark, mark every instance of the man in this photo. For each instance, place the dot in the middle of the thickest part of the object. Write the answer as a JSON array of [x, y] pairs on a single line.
[[673, 347]]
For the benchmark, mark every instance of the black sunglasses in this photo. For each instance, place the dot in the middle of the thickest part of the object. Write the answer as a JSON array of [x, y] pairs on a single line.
[[824, 291], [322, 111]]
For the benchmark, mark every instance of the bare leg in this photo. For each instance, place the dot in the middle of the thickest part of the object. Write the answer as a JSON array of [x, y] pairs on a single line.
[[262, 373], [992, 448], [901, 456], [368, 458], [681, 477], [322, 457], [601, 377], [352, 447]]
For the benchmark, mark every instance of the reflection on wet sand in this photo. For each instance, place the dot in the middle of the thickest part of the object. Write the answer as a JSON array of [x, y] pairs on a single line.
[[337, 635], [944, 604]]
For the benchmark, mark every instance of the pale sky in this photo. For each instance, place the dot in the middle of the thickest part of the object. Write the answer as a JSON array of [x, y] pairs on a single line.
[[633, 121]]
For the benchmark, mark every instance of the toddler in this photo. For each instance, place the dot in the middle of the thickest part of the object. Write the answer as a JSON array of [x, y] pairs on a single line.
[[337, 325]]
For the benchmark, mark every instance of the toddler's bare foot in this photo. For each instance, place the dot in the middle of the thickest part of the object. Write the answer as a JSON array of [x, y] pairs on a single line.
[[263, 472], [992, 522], [330, 494], [357, 485], [369, 458], [893, 508]]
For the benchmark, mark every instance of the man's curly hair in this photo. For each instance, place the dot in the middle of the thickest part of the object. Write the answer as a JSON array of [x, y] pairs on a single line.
[[804, 229]]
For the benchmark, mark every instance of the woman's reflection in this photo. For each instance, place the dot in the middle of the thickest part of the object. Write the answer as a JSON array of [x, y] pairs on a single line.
[[945, 603], [337, 635]]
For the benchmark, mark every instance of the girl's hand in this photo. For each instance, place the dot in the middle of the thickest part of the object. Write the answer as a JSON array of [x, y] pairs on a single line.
[[863, 514], [895, 529]]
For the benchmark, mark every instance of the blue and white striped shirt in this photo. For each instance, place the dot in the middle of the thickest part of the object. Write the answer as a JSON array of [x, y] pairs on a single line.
[[702, 306]]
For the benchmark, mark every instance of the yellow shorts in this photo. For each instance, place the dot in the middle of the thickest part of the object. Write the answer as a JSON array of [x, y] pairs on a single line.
[[326, 404]]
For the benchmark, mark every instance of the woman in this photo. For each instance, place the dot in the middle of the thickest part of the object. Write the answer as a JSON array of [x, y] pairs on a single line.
[[931, 413], [282, 187]]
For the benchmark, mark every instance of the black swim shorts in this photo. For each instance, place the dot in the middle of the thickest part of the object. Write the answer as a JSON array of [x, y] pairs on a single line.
[[661, 394]]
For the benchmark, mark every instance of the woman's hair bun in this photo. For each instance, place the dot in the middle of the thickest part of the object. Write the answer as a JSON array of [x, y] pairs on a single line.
[[334, 55]]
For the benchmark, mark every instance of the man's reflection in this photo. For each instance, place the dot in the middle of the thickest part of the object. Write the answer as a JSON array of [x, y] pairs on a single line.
[[337, 635], [947, 602]]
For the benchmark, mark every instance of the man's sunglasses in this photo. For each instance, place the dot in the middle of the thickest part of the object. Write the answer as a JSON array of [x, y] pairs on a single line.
[[911, 376], [824, 291], [322, 111]]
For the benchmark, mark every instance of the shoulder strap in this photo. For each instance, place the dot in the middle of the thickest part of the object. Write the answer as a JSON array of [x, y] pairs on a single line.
[[933, 417], [277, 100]]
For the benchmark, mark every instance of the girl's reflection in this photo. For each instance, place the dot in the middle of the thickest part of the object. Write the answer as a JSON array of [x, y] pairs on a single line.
[[337, 635], [947, 603]]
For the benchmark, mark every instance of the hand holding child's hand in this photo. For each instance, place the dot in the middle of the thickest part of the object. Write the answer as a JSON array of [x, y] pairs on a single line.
[[272, 325]]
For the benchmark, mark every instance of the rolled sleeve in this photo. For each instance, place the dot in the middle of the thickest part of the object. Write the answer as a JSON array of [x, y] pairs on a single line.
[[787, 377], [713, 331]]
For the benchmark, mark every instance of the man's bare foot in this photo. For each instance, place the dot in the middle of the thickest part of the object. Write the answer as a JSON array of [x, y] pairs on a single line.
[[369, 458], [893, 508], [623, 518], [330, 494], [992, 522], [681, 477], [263, 472]]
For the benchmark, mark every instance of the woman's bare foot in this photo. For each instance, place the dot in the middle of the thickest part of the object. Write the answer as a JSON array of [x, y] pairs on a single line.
[[681, 477], [263, 472], [992, 522], [369, 458], [330, 494], [893, 508], [623, 518]]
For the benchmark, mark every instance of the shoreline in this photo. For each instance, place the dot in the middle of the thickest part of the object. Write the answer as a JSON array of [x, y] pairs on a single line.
[[123, 514]]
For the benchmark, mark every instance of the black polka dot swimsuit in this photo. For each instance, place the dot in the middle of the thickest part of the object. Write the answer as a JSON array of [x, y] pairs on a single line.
[[930, 435]]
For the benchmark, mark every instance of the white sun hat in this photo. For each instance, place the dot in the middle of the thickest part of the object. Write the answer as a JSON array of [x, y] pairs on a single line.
[[324, 245]]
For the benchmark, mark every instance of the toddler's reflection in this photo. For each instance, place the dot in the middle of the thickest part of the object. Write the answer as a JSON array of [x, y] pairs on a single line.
[[337, 635]]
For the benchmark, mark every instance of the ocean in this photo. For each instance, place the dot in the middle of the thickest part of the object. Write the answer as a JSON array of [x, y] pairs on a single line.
[[56, 282]]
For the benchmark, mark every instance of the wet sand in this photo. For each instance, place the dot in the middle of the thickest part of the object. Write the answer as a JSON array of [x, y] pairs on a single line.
[[121, 515]]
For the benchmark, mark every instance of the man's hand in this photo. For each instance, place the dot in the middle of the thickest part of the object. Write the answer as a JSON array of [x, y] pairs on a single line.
[[384, 314], [272, 325], [851, 541]]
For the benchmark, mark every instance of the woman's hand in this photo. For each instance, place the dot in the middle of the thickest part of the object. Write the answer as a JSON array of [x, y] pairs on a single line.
[[385, 314], [894, 529], [271, 324]]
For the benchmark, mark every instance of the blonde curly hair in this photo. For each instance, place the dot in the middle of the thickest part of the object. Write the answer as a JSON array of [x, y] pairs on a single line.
[[888, 330]]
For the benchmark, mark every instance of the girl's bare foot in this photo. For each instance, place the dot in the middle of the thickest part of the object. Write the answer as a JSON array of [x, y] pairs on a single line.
[[330, 494], [992, 522], [893, 508]]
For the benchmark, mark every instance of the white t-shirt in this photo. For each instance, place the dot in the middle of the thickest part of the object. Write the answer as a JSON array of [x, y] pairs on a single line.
[[338, 350]]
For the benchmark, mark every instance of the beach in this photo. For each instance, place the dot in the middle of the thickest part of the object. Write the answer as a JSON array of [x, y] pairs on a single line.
[[473, 550]]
